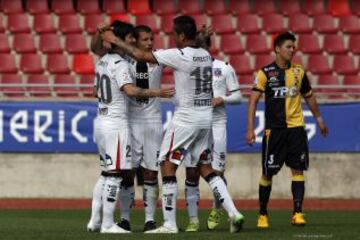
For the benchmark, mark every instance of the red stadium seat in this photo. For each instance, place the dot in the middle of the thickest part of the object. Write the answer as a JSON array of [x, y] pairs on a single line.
[[329, 80], [319, 64], [12, 6], [248, 24], [190, 7], [231, 44], [24, 43], [114, 7], [334, 44], [4, 43], [241, 64], [62, 6], [246, 80], [2, 29], [345, 65], [91, 22], [44, 23], [31, 63], [88, 6], [57, 64], [200, 20], [138, 7], [273, 23], [7, 63], [39, 91], [148, 20], [158, 41], [263, 7], [349, 24], [338, 7], [355, 7], [87, 79], [325, 24], [69, 23], [167, 79], [18, 23], [313, 7], [213, 7], [263, 60], [309, 43], [76, 43], [298, 59], [239, 7], [168, 71], [162, 7], [120, 16], [351, 80], [300, 23], [83, 64], [222, 24], [167, 23], [289, 7], [62, 91], [13, 91], [171, 43], [354, 44], [257, 44], [37, 7], [50, 43]]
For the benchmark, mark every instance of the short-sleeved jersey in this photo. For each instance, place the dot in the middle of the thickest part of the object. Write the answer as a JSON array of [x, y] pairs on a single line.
[[283, 90], [145, 76], [112, 73], [224, 81], [193, 84]]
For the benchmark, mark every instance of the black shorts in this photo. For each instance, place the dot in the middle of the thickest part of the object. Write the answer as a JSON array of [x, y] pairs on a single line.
[[289, 146]]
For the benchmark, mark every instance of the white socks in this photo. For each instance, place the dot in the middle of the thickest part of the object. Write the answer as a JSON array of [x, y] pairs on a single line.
[[169, 197], [192, 197], [150, 196], [126, 200], [96, 205], [221, 193], [109, 198]]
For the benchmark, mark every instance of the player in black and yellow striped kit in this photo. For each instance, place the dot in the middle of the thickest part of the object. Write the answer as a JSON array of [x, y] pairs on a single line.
[[285, 139]]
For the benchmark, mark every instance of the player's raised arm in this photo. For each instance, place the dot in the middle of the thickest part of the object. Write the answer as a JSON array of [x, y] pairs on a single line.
[[96, 44], [132, 51], [133, 91]]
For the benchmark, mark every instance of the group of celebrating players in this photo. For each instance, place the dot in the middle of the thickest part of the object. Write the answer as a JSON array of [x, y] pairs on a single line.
[[129, 131]]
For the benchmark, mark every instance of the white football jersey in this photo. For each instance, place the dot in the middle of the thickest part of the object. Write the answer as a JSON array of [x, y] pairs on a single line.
[[224, 80], [146, 76], [112, 73], [193, 84]]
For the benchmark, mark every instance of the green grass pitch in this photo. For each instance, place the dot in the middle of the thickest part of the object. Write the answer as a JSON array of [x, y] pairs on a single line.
[[70, 224]]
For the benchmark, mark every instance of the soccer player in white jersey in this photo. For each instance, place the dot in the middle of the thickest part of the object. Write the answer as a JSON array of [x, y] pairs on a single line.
[[114, 85], [146, 133], [226, 90], [190, 130]]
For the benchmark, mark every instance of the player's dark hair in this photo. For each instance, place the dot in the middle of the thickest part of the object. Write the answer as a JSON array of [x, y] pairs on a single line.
[[186, 25], [122, 29], [139, 29], [281, 38], [204, 42]]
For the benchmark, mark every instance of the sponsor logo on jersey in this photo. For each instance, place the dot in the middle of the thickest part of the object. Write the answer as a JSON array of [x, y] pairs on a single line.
[[282, 92], [217, 72]]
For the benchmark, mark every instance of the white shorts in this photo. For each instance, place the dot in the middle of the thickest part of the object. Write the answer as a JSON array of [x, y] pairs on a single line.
[[219, 148], [181, 141], [146, 141], [114, 148]]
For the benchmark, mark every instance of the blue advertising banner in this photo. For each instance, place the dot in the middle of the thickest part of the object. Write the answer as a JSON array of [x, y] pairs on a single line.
[[68, 127]]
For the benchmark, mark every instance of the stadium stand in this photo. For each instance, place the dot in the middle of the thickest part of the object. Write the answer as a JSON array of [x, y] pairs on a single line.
[[52, 37]]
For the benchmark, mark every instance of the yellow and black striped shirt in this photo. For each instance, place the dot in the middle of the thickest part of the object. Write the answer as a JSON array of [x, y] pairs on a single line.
[[283, 90]]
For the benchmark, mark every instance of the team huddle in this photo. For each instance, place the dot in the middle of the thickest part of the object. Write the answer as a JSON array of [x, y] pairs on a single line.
[[129, 132]]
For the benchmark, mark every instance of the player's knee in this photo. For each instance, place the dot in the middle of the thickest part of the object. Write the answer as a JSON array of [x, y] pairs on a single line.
[[265, 181], [210, 176], [192, 174], [150, 175]]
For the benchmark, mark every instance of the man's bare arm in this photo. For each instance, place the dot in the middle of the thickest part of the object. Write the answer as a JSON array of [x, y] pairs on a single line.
[[97, 45], [132, 91], [314, 108], [254, 99], [132, 51]]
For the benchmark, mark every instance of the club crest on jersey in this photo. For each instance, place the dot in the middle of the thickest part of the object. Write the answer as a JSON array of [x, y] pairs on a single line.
[[217, 72]]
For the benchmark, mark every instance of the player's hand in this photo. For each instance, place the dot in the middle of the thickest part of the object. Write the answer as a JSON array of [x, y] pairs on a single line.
[[323, 129], [250, 137], [102, 27], [108, 36], [206, 31], [166, 92], [218, 101]]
